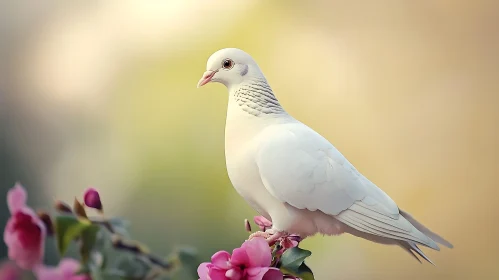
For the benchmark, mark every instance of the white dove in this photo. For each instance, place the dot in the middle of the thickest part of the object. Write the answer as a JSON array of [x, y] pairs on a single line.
[[293, 176]]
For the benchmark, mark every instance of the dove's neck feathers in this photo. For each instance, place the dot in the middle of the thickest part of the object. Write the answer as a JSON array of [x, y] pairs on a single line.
[[255, 97], [252, 107]]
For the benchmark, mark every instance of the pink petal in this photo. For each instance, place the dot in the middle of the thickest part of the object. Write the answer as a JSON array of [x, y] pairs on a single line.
[[66, 270], [264, 273], [234, 274], [8, 234], [216, 273], [203, 270], [79, 277], [258, 252], [16, 198], [287, 243], [221, 259], [47, 273], [9, 271], [239, 257], [68, 267], [24, 236]]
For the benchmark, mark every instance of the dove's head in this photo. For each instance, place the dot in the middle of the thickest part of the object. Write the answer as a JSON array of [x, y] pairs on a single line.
[[230, 67]]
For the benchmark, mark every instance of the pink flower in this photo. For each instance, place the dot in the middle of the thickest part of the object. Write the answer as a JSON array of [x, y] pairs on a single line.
[[287, 242], [10, 271], [249, 262], [92, 199], [25, 232], [65, 271], [262, 222]]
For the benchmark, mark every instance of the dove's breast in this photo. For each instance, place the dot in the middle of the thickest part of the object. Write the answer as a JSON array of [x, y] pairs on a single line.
[[241, 133]]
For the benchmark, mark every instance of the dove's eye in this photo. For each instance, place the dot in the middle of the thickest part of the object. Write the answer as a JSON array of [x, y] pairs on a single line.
[[227, 64]]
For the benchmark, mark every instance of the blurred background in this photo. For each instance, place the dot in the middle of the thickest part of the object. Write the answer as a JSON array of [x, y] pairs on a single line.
[[103, 94]]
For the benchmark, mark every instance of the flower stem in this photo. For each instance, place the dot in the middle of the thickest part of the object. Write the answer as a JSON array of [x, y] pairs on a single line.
[[139, 250]]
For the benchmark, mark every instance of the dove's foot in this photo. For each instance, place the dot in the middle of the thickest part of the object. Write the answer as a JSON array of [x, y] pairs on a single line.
[[265, 235], [271, 235], [275, 235]]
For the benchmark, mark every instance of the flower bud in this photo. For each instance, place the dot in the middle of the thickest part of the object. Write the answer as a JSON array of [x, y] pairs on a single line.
[[262, 222], [47, 221], [247, 225], [92, 199], [62, 207]]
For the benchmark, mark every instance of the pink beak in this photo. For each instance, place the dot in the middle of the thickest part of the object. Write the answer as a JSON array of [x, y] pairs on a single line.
[[207, 76]]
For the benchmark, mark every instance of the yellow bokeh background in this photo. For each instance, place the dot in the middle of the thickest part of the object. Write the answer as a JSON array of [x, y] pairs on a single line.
[[103, 94]]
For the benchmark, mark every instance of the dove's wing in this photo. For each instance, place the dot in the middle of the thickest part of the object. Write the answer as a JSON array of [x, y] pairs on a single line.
[[300, 167]]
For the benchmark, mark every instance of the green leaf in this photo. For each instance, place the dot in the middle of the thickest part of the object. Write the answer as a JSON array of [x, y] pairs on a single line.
[[293, 262], [294, 257], [129, 265], [88, 238], [109, 275], [67, 229], [97, 275], [84, 269], [104, 261], [189, 259], [303, 272], [115, 274], [188, 255], [120, 226]]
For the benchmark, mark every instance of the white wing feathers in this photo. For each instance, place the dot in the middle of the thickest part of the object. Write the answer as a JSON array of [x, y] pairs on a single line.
[[300, 167]]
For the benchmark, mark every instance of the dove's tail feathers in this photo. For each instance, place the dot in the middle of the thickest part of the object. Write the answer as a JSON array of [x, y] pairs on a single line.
[[435, 237], [413, 249], [409, 246], [363, 219]]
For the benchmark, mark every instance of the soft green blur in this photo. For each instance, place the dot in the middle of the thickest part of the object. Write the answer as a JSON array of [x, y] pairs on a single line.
[[104, 94]]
